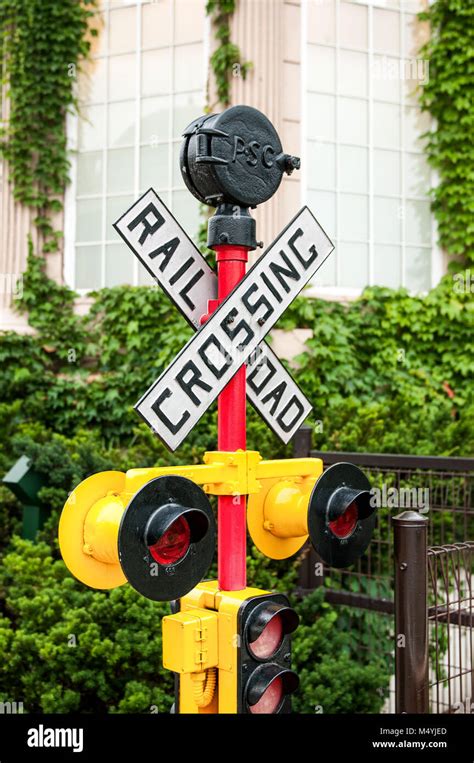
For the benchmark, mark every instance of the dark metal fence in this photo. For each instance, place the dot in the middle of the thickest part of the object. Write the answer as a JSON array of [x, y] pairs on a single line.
[[439, 489], [451, 627]]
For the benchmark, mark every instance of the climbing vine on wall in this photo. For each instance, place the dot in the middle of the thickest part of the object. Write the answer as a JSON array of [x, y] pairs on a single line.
[[43, 42], [226, 61], [449, 96]]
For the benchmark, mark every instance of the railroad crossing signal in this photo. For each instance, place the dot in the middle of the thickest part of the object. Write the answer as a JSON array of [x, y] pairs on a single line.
[[155, 528], [177, 265], [180, 396]]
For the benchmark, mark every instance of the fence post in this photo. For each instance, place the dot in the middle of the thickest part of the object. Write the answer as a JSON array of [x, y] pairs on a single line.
[[411, 612], [302, 442], [301, 449]]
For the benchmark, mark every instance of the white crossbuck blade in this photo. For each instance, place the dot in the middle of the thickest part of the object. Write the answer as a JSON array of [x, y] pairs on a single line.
[[233, 334], [164, 248]]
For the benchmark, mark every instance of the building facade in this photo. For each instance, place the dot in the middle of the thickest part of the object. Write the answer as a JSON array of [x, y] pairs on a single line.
[[338, 79]]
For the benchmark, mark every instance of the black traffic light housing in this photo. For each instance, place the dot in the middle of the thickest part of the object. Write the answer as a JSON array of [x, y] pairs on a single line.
[[341, 519], [259, 665], [167, 538]]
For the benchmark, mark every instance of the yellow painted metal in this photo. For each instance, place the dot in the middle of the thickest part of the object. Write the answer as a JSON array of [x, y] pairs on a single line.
[[90, 520], [277, 516], [101, 529], [91, 554], [190, 641], [187, 695], [190, 648], [286, 509], [227, 605], [243, 465], [222, 473]]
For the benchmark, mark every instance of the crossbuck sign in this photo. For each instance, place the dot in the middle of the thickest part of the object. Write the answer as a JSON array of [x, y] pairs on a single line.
[[234, 333]]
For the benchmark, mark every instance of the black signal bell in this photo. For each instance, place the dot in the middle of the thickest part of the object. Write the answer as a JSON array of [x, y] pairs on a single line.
[[234, 157]]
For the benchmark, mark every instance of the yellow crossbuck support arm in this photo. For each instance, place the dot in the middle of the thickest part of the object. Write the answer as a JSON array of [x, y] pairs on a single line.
[[229, 473]]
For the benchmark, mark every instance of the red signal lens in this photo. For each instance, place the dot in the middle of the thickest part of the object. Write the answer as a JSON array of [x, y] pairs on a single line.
[[173, 544], [269, 640], [344, 525], [271, 698]]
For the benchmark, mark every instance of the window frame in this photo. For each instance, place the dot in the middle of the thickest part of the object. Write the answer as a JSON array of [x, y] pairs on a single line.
[[436, 259], [72, 131]]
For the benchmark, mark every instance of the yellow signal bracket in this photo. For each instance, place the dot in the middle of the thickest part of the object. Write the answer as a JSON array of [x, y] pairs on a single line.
[[277, 517], [238, 471], [222, 473], [278, 493]]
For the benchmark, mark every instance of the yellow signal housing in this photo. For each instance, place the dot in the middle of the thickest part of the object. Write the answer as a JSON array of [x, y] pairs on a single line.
[[277, 516], [200, 604], [88, 530], [183, 631]]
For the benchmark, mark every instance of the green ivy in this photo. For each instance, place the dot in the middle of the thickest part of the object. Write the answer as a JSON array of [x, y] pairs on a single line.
[[449, 97], [226, 61], [43, 42]]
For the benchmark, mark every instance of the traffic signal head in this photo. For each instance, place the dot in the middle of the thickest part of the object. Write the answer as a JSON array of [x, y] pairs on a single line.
[[266, 680], [335, 512], [161, 541], [245, 636], [167, 538], [340, 518]]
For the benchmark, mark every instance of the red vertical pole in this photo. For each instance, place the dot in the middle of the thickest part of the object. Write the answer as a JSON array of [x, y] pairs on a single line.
[[231, 435]]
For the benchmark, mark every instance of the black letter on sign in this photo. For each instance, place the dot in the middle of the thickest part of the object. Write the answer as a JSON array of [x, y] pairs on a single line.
[[280, 271], [232, 332], [148, 229], [192, 282], [312, 249], [181, 271], [173, 428], [262, 300], [194, 381], [294, 401], [218, 372], [167, 249], [257, 387], [276, 395]]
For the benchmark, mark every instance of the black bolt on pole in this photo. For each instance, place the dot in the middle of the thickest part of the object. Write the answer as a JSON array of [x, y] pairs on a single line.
[[411, 612]]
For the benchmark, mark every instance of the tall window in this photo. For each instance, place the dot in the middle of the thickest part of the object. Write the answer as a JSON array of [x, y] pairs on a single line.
[[145, 84], [366, 176]]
